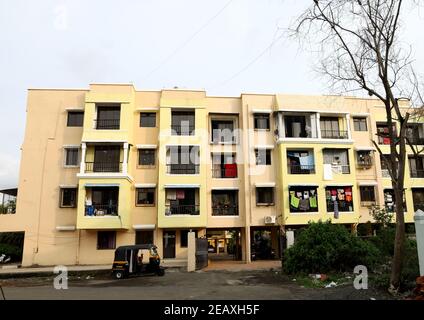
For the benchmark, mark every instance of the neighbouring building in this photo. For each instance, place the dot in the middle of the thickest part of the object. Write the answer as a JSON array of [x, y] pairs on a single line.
[[111, 166]]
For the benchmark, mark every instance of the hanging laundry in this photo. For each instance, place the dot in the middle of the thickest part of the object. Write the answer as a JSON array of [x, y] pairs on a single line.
[[230, 170], [313, 202], [294, 202], [304, 205], [171, 195], [336, 210], [306, 194], [180, 194]]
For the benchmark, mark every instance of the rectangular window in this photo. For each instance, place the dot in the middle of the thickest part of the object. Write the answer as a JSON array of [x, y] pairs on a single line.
[[416, 166], [223, 131], [68, 197], [146, 157], [75, 118], [183, 123], [106, 240], [300, 161], [224, 165], [184, 238], [263, 157], [146, 196], [367, 194], [71, 156], [339, 199], [418, 198], [148, 119], [383, 133], [303, 199], [389, 200], [183, 160], [360, 124], [261, 121], [265, 196], [224, 202], [144, 237], [338, 158], [108, 118]]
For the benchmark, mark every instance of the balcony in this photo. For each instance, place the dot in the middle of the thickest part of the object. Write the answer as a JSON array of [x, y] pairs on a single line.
[[107, 124], [225, 210], [227, 171], [301, 169], [416, 173], [8, 209], [103, 167], [416, 140], [183, 168], [101, 210], [334, 134], [190, 209]]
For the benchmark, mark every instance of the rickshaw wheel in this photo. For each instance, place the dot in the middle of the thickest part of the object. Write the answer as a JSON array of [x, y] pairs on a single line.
[[118, 274], [161, 272]]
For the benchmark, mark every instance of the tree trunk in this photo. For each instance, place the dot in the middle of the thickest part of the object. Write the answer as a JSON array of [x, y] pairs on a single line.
[[399, 242]]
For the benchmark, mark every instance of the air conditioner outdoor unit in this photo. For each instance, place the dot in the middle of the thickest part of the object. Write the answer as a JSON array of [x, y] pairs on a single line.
[[270, 219]]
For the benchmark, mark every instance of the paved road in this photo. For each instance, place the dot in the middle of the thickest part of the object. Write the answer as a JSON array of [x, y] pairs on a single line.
[[181, 285]]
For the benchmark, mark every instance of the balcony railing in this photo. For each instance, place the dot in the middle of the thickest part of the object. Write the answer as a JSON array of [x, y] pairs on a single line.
[[181, 130], [193, 210], [330, 207], [416, 173], [101, 210], [107, 124], [7, 209], [416, 140], [301, 169], [224, 173], [341, 168], [103, 167], [225, 210], [182, 168], [224, 139], [334, 134], [364, 164]]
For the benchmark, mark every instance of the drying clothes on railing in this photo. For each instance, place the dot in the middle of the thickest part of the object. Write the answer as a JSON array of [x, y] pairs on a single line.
[[306, 162], [230, 170]]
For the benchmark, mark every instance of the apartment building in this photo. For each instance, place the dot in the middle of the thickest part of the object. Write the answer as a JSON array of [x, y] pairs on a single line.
[[111, 166]]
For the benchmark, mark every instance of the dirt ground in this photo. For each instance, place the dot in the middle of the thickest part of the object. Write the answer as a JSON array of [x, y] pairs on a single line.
[[178, 285]]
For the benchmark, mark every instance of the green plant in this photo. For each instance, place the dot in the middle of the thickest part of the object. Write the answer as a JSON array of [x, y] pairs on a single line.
[[323, 247], [382, 216]]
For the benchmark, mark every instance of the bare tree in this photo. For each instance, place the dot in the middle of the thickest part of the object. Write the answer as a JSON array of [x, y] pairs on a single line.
[[360, 50]]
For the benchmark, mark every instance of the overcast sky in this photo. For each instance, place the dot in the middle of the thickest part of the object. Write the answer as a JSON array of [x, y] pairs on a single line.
[[222, 46]]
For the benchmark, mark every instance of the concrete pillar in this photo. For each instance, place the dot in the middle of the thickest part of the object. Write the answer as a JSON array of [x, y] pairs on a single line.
[[290, 238], [83, 152], [318, 117], [281, 128], [125, 161], [247, 251], [419, 229], [349, 133], [191, 252]]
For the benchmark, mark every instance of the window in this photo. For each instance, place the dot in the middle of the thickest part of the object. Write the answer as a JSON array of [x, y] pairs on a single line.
[[108, 118], [182, 123], [144, 237], [385, 173], [367, 194], [224, 202], [300, 161], [106, 240], [146, 196], [383, 133], [360, 124], [299, 126], [389, 200], [75, 118], [364, 158], [263, 157], [261, 121], [223, 131], [68, 197], [184, 237], [148, 119], [224, 165], [183, 160], [265, 196], [338, 158], [416, 166], [418, 198], [303, 199], [146, 157], [330, 128], [71, 156], [339, 199]]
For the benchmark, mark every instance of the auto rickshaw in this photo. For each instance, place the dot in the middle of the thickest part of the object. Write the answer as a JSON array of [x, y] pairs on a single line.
[[136, 260]]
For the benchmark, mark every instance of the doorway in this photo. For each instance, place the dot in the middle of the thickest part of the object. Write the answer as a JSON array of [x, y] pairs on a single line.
[[169, 245]]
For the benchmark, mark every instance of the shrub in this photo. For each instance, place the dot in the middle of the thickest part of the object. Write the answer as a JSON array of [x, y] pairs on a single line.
[[323, 247]]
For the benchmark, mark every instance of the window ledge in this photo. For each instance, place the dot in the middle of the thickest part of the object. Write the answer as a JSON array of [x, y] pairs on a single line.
[[265, 204]]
